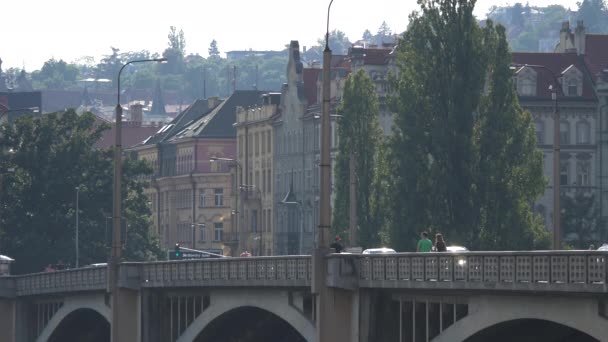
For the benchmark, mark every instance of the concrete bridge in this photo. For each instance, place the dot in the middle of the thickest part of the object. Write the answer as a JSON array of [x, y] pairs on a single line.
[[474, 296]]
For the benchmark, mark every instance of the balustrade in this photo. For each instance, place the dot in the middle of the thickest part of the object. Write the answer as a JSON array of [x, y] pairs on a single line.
[[551, 268]]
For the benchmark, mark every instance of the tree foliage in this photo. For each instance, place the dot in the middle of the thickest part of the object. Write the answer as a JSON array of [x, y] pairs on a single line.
[[359, 135], [52, 155], [582, 222], [452, 95]]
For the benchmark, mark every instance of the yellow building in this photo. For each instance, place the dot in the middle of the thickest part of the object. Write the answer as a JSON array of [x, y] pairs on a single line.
[[255, 155]]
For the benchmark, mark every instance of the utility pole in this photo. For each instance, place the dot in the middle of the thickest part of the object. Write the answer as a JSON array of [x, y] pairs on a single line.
[[319, 288], [353, 200]]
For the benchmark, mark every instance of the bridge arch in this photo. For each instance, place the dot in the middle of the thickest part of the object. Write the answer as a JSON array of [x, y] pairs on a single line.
[[485, 312], [276, 303], [71, 306]]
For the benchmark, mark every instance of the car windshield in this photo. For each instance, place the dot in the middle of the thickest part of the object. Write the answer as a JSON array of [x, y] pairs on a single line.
[[379, 251]]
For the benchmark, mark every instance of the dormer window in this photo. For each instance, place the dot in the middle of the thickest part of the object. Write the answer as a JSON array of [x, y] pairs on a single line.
[[572, 81], [526, 82]]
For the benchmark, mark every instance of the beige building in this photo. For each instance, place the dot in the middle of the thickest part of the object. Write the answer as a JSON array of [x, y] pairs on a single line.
[[255, 156], [193, 199]]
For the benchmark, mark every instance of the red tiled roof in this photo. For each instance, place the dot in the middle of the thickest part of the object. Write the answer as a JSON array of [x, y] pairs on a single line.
[[596, 53], [376, 56], [557, 63], [310, 78]]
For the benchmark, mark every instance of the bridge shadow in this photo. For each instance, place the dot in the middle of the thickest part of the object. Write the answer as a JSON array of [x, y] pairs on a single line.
[[249, 324], [530, 330], [82, 325]]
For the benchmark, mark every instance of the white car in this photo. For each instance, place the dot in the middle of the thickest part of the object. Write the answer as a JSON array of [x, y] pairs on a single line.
[[382, 250], [603, 247], [456, 249]]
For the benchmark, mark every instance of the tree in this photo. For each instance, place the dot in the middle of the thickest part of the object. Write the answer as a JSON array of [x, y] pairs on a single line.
[[581, 220], [509, 171], [56, 74], [175, 52], [54, 154], [338, 42], [367, 35], [442, 114], [213, 50], [594, 14], [384, 34], [359, 135]]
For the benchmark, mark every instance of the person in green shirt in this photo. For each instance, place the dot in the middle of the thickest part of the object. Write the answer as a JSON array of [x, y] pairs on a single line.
[[424, 244]]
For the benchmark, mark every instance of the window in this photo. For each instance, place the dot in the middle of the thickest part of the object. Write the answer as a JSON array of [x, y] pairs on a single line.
[[582, 173], [263, 180], [241, 146], [582, 132], [202, 236], [540, 132], [563, 173], [268, 189], [219, 197], [564, 133], [254, 220], [183, 232], [269, 221], [218, 230], [572, 87], [203, 198], [528, 87], [268, 148], [256, 145]]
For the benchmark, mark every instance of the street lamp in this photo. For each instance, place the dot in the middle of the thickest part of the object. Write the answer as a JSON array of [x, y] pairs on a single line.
[[238, 181], [116, 211], [77, 212], [319, 285], [556, 154]]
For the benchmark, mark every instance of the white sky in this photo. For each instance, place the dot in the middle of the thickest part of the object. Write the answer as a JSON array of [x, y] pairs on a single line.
[[37, 30]]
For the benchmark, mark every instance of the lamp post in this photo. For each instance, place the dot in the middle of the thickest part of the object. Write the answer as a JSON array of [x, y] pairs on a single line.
[[556, 154], [319, 285], [116, 210], [238, 185], [76, 237]]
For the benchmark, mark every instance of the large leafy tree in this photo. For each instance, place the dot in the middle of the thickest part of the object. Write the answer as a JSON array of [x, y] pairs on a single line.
[[359, 135], [594, 14], [51, 156], [443, 114], [509, 173]]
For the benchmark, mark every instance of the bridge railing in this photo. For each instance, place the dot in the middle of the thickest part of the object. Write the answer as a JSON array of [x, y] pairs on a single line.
[[584, 271], [81, 279], [259, 271]]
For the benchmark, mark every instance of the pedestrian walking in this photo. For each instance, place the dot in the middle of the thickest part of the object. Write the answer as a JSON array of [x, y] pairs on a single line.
[[424, 244], [439, 243]]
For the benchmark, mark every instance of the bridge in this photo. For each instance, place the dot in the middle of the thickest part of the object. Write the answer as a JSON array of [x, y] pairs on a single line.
[[474, 296]]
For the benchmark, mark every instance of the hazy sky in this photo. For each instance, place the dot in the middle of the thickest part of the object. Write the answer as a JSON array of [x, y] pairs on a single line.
[[37, 30]]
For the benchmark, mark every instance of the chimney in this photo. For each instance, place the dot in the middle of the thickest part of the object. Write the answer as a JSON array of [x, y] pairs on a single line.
[[212, 102], [137, 114], [304, 49], [579, 37], [564, 37]]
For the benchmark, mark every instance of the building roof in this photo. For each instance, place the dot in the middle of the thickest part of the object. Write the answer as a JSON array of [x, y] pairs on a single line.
[[219, 122], [557, 63], [194, 112], [132, 134], [310, 78], [596, 53]]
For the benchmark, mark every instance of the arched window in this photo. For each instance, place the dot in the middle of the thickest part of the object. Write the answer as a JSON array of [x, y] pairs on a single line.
[[583, 131], [564, 133]]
